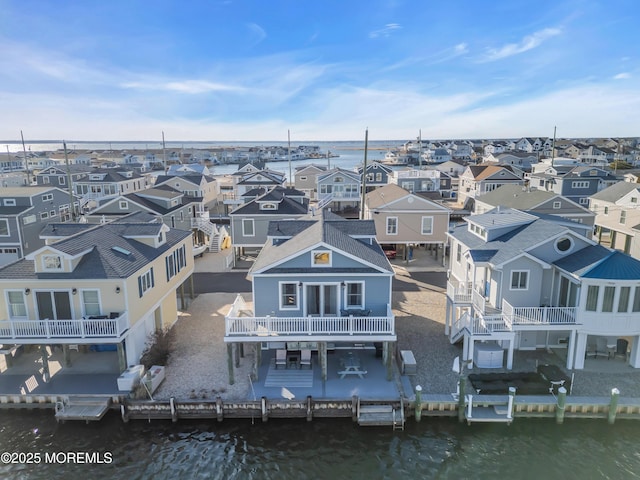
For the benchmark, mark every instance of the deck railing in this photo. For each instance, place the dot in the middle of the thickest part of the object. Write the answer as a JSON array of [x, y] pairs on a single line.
[[539, 315], [479, 301], [64, 329], [241, 322], [460, 294]]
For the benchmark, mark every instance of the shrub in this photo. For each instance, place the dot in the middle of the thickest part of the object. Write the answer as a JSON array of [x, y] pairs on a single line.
[[157, 350]]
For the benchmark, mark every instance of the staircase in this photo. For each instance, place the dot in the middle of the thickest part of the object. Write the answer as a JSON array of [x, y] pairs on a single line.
[[324, 201], [216, 234], [381, 415]]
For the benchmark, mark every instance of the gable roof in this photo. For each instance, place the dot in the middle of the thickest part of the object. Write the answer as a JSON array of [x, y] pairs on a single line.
[[337, 170], [102, 261], [601, 263], [615, 192], [515, 196], [325, 230], [384, 197]]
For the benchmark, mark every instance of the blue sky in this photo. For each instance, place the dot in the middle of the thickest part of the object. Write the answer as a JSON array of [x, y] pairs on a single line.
[[325, 70]]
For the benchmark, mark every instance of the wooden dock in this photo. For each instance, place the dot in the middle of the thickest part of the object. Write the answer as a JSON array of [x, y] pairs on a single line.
[[82, 408]]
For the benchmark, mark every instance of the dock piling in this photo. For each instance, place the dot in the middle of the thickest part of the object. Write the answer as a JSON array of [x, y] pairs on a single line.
[[562, 400], [418, 403], [613, 406]]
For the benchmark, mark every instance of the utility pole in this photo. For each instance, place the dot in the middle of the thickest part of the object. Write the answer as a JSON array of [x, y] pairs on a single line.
[[289, 155], [72, 207], [164, 155], [553, 146], [364, 173], [26, 164], [420, 148]]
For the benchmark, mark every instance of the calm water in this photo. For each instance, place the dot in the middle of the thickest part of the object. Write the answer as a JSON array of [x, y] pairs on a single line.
[[324, 449]]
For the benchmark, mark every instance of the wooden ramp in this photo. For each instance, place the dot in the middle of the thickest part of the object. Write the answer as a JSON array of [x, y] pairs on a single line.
[[488, 409], [83, 408], [381, 416]]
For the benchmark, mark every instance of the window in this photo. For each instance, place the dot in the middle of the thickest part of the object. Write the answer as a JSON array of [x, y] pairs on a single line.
[[519, 280], [181, 215], [321, 258], [338, 180], [408, 186], [145, 282], [557, 205], [378, 177], [29, 219], [47, 197], [90, 302], [579, 184], [355, 297], [123, 204], [606, 210], [44, 215], [17, 307], [4, 227], [607, 300], [458, 252], [592, 298], [427, 225], [52, 262], [623, 217], [623, 301], [563, 244], [392, 225], [636, 300], [583, 201], [634, 200], [288, 296], [248, 229], [61, 180], [175, 261], [303, 178], [9, 202]]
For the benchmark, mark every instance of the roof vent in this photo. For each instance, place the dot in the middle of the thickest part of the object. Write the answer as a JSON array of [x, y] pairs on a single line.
[[121, 250]]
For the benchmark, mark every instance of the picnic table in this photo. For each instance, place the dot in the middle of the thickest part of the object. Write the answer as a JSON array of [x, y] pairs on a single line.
[[350, 365]]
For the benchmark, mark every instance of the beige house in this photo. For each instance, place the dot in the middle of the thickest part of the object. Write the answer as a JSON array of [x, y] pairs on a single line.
[[106, 287], [404, 218], [618, 217]]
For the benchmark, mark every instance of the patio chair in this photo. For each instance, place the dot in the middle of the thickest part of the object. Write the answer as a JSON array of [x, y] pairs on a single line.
[[281, 358], [621, 348], [305, 358], [591, 350]]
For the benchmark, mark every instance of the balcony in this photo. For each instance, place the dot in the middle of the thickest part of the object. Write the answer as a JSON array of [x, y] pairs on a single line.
[[241, 325], [460, 294], [539, 315], [63, 331]]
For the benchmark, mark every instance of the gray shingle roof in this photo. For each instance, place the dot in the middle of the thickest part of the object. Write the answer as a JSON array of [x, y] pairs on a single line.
[[615, 192], [102, 261], [286, 206]]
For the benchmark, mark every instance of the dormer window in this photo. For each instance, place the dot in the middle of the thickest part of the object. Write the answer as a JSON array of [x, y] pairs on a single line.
[[51, 262], [321, 258], [339, 180], [268, 206]]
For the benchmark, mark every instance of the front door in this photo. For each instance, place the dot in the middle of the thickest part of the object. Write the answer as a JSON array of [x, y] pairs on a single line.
[[321, 300], [54, 305]]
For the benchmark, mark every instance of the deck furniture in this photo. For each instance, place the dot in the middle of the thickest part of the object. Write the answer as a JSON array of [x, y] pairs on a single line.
[[621, 348], [281, 358], [351, 366], [408, 362], [305, 358], [601, 347]]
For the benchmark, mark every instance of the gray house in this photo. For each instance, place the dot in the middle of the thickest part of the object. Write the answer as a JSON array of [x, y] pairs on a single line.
[[339, 190], [377, 175], [578, 184], [518, 281], [250, 221], [24, 212], [306, 179], [317, 281], [57, 176]]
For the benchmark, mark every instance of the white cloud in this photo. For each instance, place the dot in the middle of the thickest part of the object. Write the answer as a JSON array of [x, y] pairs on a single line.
[[386, 31], [622, 76], [183, 86], [528, 43], [460, 49], [257, 32]]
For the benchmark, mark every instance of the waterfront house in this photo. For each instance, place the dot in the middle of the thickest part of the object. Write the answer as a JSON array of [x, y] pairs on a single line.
[[518, 281], [422, 180], [108, 286], [305, 179], [249, 177], [24, 212], [377, 175], [533, 200], [577, 183], [108, 182], [195, 185], [250, 221], [319, 283], [617, 217], [58, 175], [339, 190], [403, 218]]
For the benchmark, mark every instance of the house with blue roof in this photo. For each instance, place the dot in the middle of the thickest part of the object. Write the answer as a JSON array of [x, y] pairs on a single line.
[[319, 282], [520, 281]]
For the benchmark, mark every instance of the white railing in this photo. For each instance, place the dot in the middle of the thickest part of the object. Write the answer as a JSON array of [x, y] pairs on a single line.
[[479, 301], [64, 329], [488, 324], [539, 315], [461, 294]]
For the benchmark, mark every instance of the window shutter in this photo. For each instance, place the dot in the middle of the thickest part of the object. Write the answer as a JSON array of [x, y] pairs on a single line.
[[166, 265], [152, 279], [140, 287]]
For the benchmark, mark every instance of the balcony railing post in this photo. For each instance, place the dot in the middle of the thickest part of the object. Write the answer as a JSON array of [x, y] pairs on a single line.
[[47, 329], [82, 329]]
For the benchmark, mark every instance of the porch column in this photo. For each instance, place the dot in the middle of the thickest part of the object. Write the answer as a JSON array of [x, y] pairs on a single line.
[[510, 354], [389, 359], [470, 353], [257, 361], [571, 349], [322, 357], [45, 363], [634, 356], [230, 363], [122, 358], [182, 296], [66, 355], [191, 289], [236, 354], [447, 316], [578, 357]]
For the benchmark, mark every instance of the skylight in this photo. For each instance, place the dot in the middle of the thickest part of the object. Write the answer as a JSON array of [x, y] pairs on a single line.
[[121, 250]]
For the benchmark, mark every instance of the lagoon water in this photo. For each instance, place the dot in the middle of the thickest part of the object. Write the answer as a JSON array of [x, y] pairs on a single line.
[[323, 449]]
